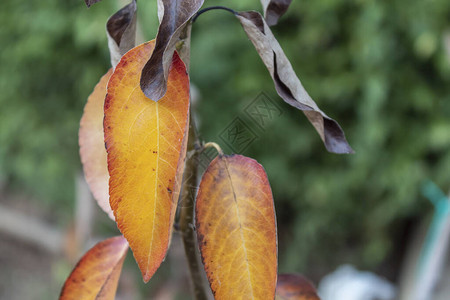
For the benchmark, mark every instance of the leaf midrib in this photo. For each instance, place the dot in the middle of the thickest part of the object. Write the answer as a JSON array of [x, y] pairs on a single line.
[[240, 227], [156, 186]]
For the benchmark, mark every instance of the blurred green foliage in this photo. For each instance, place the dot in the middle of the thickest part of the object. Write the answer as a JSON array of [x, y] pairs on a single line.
[[378, 67], [52, 54]]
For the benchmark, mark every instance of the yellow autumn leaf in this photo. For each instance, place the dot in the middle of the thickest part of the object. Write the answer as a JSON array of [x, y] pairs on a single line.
[[235, 221], [146, 145]]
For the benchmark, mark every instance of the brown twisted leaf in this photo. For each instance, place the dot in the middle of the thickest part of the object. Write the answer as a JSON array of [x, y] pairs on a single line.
[[173, 32], [295, 287], [274, 9], [236, 228], [97, 273], [287, 83], [121, 32]]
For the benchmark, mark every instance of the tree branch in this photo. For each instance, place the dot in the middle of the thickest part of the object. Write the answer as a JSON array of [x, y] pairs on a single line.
[[186, 222]]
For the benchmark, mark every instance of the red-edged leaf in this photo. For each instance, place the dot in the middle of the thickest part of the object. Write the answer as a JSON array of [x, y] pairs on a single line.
[[146, 145], [97, 273], [235, 221]]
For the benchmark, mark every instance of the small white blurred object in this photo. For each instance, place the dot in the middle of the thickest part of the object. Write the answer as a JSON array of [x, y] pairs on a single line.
[[347, 283]]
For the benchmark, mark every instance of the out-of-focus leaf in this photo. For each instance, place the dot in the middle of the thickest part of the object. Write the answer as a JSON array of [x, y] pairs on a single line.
[[235, 221], [173, 33], [287, 83], [121, 32], [146, 145], [274, 9], [295, 287], [97, 273], [90, 2], [92, 146]]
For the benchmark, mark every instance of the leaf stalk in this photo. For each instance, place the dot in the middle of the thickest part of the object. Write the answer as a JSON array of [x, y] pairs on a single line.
[[214, 145], [194, 18]]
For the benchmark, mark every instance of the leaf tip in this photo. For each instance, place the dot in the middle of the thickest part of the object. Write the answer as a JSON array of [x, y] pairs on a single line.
[[122, 241], [146, 278], [340, 148], [148, 271], [153, 80], [152, 89], [335, 140]]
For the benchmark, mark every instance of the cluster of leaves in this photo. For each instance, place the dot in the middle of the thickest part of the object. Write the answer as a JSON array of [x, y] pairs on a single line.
[[375, 65], [141, 110]]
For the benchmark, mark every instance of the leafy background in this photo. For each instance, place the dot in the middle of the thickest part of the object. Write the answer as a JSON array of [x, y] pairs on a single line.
[[378, 67]]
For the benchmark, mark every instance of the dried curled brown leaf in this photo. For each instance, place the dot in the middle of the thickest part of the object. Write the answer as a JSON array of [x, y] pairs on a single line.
[[173, 32], [121, 32], [287, 83], [274, 9]]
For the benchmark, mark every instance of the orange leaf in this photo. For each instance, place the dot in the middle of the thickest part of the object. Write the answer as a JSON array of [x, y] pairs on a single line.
[[92, 145], [295, 287], [236, 229], [146, 145], [97, 273]]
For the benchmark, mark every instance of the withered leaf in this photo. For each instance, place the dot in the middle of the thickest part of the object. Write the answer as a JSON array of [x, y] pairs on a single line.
[[121, 32], [295, 287], [274, 9], [173, 32], [90, 2], [287, 83]]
